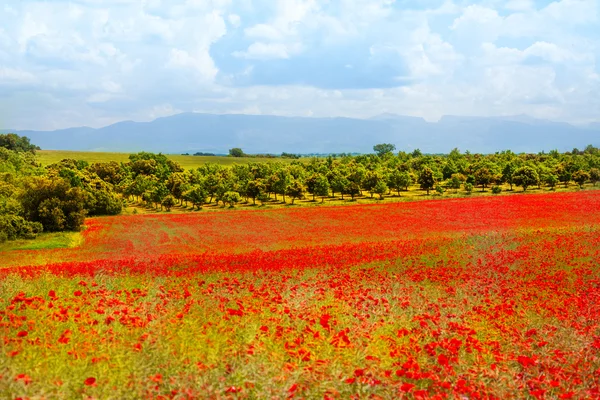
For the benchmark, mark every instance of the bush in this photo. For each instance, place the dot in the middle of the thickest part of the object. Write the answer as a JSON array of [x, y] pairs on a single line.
[[496, 189], [469, 188], [439, 189], [14, 227]]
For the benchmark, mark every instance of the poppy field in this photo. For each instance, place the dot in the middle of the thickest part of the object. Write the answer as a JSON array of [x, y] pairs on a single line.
[[490, 297]]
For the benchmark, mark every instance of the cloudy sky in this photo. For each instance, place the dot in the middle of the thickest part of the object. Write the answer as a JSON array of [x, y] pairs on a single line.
[[95, 62]]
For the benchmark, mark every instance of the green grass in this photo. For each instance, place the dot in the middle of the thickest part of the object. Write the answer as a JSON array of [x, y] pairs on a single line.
[[47, 157], [57, 240]]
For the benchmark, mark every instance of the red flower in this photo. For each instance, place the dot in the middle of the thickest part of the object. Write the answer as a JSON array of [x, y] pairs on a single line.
[[90, 381], [77, 293], [22, 333], [406, 387]]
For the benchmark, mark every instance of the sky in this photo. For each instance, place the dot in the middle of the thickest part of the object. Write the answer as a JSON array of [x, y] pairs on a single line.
[[96, 62]]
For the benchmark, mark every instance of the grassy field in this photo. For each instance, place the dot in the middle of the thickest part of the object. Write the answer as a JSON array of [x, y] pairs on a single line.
[[475, 298], [47, 157]]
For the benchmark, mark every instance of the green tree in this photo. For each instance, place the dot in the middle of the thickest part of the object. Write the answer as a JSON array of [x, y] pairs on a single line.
[[426, 179], [321, 187], [231, 198], [381, 188], [525, 177], [384, 148], [168, 202], [594, 175], [296, 190], [581, 177], [17, 143], [456, 181], [236, 152], [196, 195], [53, 203], [508, 173], [255, 189]]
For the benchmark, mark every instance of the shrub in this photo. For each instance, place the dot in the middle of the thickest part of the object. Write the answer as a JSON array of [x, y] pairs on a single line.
[[496, 189]]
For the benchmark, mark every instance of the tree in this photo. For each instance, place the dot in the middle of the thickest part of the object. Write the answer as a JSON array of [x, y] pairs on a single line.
[[456, 180], [426, 179], [508, 172], [381, 188], [296, 190], [236, 152], [594, 175], [168, 202], [449, 169], [321, 187], [581, 177], [19, 144], [255, 188], [53, 203], [384, 148], [197, 195], [525, 176], [563, 174], [400, 180], [231, 198], [551, 180]]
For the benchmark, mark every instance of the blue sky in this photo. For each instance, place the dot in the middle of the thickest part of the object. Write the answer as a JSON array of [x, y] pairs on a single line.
[[95, 62]]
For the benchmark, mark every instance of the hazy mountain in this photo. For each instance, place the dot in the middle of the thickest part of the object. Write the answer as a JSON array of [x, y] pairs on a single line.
[[191, 132]]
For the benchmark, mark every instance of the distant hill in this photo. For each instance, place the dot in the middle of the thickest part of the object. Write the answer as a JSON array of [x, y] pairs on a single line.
[[192, 132]]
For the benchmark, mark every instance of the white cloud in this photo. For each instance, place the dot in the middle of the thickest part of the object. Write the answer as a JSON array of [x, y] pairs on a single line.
[[92, 62]]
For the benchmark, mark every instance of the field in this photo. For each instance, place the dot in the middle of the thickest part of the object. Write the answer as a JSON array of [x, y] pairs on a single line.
[[484, 297], [47, 157]]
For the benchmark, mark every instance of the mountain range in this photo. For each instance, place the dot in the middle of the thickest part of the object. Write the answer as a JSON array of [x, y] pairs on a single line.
[[216, 133]]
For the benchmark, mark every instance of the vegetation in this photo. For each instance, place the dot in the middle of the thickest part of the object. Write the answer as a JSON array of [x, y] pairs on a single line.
[[479, 298], [60, 195]]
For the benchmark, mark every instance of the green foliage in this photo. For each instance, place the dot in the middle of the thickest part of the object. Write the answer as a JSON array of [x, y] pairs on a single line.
[[231, 198], [53, 203], [16, 143], [236, 152], [426, 179], [581, 177], [526, 177], [384, 148], [469, 188], [496, 189], [168, 202]]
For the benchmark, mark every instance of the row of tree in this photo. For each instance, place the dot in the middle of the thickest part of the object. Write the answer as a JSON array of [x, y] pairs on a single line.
[[59, 196]]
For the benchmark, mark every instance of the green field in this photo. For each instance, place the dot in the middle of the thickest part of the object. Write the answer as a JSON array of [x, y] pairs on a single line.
[[47, 157]]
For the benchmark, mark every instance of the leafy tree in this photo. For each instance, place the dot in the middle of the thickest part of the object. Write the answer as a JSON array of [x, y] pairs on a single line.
[[449, 169], [456, 181], [236, 152], [525, 177], [231, 198], [581, 177], [384, 148], [551, 180], [338, 183], [255, 189], [196, 195], [508, 173], [381, 188], [594, 175], [16, 143], [426, 179], [296, 190], [321, 187], [168, 202], [400, 180], [563, 173], [53, 203]]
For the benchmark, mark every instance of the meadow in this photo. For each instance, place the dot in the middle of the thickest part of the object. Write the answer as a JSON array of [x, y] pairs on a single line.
[[47, 157], [489, 297]]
